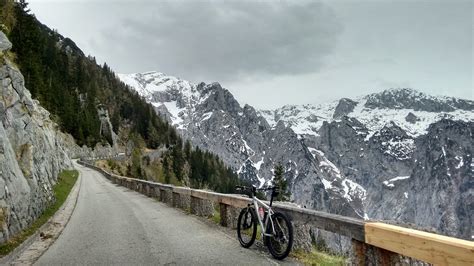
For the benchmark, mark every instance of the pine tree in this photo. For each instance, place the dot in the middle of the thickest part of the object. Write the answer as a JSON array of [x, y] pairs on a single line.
[[280, 181], [166, 170], [187, 149], [71, 85], [136, 168], [153, 136], [178, 160], [24, 6]]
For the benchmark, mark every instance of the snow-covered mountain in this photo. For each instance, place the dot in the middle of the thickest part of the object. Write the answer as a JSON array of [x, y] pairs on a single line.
[[413, 111], [373, 157]]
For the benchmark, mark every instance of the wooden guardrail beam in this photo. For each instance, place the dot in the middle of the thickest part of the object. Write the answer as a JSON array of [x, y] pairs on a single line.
[[429, 247]]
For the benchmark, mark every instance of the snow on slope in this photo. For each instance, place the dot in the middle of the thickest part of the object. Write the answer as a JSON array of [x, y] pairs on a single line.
[[308, 119], [182, 99], [178, 97], [148, 82]]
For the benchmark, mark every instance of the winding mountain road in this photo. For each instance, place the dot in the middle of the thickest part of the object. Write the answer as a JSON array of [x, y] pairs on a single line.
[[114, 225]]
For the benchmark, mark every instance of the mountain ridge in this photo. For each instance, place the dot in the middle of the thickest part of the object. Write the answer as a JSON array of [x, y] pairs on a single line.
[[321, 146]]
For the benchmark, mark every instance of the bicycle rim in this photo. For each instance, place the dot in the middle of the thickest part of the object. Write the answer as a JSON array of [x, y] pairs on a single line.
[[246, 228], [280, 242]]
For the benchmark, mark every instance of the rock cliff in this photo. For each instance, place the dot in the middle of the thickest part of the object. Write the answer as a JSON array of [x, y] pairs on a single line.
[[32, 152], [398, 155]]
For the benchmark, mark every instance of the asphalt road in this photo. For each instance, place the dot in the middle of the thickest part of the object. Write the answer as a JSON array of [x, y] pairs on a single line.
[[114, 225]]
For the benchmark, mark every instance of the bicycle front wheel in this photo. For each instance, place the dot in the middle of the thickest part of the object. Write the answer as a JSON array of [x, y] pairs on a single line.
[[247, 227], [281, 241]]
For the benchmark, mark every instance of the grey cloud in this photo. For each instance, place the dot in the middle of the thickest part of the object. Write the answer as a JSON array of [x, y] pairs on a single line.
[[225, 40]]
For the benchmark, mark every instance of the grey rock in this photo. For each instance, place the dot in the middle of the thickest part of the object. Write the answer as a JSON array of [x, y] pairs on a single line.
[[344, 107], [338, 163], [32, 153], [411, 118], [106, 128], [411, 99], [5, 44], [212, 119], [443, 179]]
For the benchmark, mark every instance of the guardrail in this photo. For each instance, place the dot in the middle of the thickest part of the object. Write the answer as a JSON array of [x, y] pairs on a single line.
[[374, 243]]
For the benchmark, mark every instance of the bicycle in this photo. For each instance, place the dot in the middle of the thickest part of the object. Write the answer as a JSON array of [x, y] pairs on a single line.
[[278, 233]]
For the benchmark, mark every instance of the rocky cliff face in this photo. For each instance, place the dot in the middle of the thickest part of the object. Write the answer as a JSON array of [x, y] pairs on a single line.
[[386, 143], [212, 118], [356, 157], [442, 182], [31, 151]]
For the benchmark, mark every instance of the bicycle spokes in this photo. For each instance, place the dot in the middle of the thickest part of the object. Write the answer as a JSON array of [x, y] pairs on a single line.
[[246, 227], [247, 221], [280, 241], [247, 224], [280, 232]]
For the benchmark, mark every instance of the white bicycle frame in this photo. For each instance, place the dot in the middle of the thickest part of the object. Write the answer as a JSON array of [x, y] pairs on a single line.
[[263, 224]]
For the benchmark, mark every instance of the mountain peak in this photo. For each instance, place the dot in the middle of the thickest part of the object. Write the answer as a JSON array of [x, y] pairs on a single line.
[[403, 91], [407, 98], [149, 82]]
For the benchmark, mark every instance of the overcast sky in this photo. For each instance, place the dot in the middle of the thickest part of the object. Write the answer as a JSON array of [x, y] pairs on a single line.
[[271, 53]]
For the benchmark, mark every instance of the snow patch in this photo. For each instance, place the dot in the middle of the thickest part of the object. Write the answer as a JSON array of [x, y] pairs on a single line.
[[308, 119], [353, 190], [206, 116], [314, 151], [327, 163], [400, 149], [461, 162], [390, 183], [175, 112], [247, 148], [259, 164], [326, 183]]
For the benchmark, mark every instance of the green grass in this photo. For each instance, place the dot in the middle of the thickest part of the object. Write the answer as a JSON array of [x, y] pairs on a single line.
[[216, 217], [66, 181], [259, 232], [316, 257]]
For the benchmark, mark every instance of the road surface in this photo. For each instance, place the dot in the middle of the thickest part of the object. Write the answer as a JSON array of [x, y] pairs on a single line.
[[114, 225]]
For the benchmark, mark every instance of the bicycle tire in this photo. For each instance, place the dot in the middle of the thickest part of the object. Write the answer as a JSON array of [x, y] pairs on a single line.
[[279, 219], [242, 224]]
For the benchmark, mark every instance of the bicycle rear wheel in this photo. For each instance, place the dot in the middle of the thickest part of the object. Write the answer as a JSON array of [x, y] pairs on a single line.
[[281, 241], [247, 227]]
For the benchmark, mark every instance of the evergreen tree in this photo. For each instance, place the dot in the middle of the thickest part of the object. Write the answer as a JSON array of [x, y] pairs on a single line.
[[153, 136], [24, 6], [178, 160], [136, 168], [187, 149], [71, 86], [280, 181], [166, 169]]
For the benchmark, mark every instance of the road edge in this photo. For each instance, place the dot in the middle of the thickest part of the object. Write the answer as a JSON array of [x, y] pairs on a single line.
[[34, 246]]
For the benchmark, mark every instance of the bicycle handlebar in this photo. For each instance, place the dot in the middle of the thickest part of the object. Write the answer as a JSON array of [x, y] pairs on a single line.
[[253, 191]]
